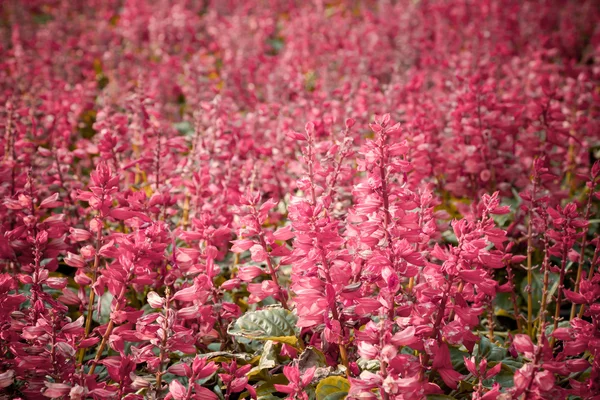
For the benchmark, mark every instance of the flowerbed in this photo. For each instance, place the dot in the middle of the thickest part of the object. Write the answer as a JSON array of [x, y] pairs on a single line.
[[304, 200]]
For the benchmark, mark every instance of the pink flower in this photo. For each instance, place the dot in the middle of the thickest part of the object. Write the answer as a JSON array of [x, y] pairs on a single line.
[[297, 382]]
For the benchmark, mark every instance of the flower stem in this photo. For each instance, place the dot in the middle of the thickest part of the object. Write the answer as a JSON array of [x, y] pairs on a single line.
[[590, 276], [588, 208], [92, 298], [561, 286]]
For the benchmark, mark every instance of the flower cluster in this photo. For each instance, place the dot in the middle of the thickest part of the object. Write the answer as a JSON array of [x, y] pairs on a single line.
[[374, 199]]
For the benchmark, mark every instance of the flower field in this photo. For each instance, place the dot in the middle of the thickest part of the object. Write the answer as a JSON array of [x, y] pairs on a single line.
[[299, 199]]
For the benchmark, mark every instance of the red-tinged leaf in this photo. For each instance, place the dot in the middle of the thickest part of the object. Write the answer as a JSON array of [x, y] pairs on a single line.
[[73, 327], [191, 235], [203, 393], [251, 390], [523, 343], [89, 342], [122, 214], [184, 258], [103, 393], [501, 210], [79, 235], [180, 369], [284, 233], [472, 276], [545, 380], [177, 390], [493, 371], [188, 294], [562, 333], [309, 127], [65, 349], [154, 300], [69, 297], [241, 245], [13, 204], [266, 206], [74, 260], [574, 297], [280, 251], [518, 259], [258, 253], [51, 202], [249, 272], [596, 169], [375, 127], [295, 135], [442, 357], [7, 378], [203, 369], [57, 283], [56, 389], [577, 365], [231, 284], [450, 377], [470, 364], [405, 337], [85, 196]]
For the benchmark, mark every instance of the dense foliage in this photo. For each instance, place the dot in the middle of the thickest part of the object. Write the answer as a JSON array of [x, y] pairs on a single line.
[[267, 199]]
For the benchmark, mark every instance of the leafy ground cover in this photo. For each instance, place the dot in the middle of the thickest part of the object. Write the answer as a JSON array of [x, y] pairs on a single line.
[[320, 199]]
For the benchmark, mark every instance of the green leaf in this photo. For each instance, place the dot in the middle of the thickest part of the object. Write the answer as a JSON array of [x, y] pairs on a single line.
[[105, 302], [266, 388], [333, 388], [503, 305], [185, 128], [457, 358], [268, 396], [537, 288], [369, 365], [274, 324], [490, 351], [268, 359], [512, 364]]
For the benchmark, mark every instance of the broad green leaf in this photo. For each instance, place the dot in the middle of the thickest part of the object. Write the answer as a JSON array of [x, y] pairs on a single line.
[[274, 324], [489, 350], [333, 388]]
